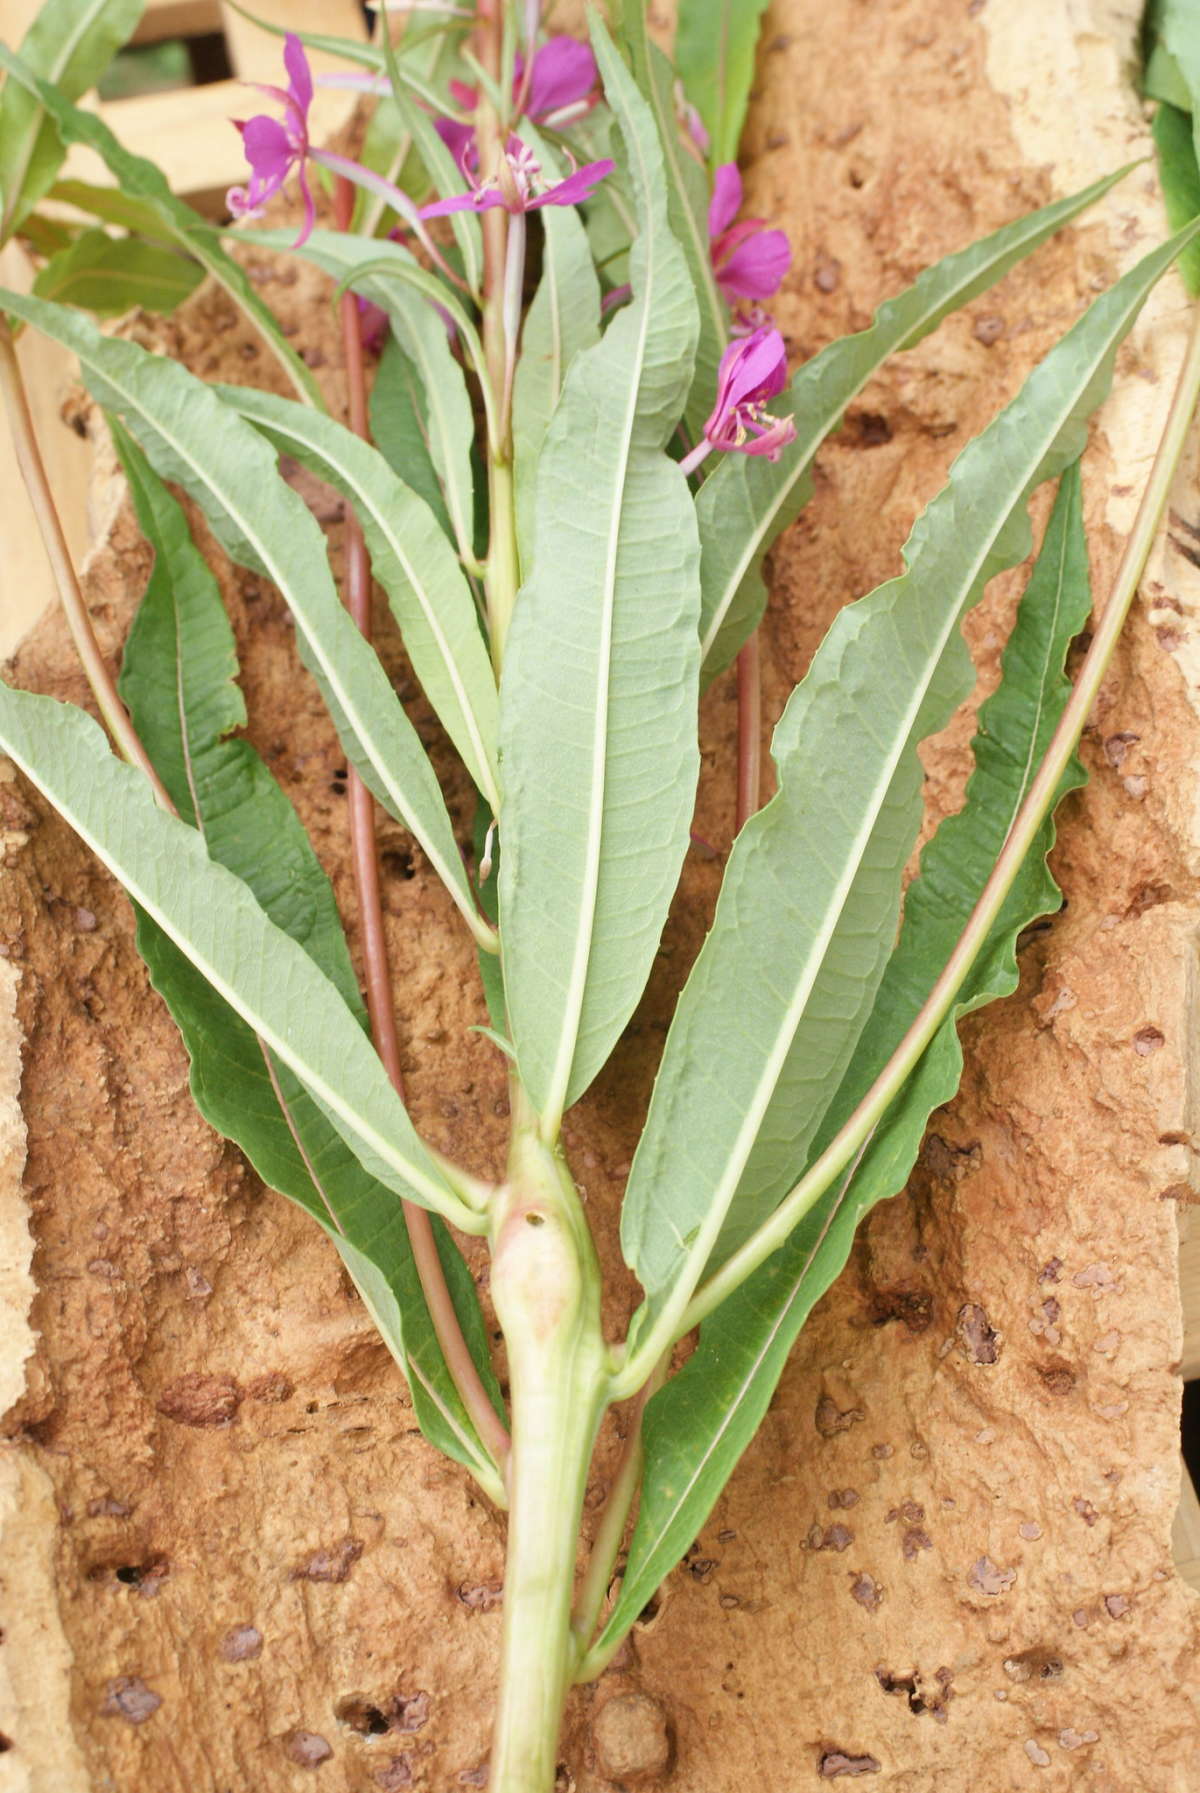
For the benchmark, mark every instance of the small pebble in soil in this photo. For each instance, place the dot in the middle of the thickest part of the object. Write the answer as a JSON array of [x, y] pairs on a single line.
[[129, 1698], [632, 1739]]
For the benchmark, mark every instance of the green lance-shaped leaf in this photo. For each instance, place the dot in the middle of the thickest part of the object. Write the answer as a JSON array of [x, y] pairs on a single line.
[[177, 680], [70, 43], [715, 42], [192, 437], [261, 972], [785, 982], [398, 429], [412, 560], [387, 274], [744, 504], [687, 206], [112, 206], [110, 275], [598, 695], [1174, 26], [698, 1426], [1180, 175], [562, 320], [140, 180]]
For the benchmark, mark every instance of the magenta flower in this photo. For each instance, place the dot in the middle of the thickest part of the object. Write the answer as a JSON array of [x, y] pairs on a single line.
[[274, 147], [752, 372], [749, 260], [563, 84], [520, 187]]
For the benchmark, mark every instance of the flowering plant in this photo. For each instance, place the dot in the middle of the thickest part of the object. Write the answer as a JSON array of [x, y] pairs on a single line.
[[641, 445]]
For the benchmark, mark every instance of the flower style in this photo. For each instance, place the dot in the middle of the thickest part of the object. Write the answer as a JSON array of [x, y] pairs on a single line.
[[563, 85], [752, 371], [749, 261], [519, 186], [274, 148]]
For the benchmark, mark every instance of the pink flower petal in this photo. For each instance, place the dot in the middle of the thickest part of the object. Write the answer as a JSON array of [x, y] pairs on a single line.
[[481, 200], [755, 266], [300, 79], [576, 187], [268, 148], [726, 199], [564, 72]]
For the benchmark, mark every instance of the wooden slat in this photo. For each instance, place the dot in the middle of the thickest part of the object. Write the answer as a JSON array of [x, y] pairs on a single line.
[[254, 53], [26, 585], [177, 18]]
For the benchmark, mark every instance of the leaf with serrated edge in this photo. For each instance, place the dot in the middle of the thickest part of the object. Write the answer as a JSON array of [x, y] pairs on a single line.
[[598, 695], [70, 43], [177, 680], [192, 437], [414, 563], [139, 179], [747, 500], [698, 1426], [563, 319], [261, 972], [754, 1056]]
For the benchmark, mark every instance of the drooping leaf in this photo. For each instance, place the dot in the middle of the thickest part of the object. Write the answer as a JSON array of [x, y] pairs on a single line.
[[562, 320], [715, 42], [140, 180], [112, 206], [784, 984], [1180, 175], [109, 275], [177, 680], [687, 206], [404, 293], [261, 972], [70, 43], [698, 1426], [745, 502], [195, 439], [598, 695], [412, 560]]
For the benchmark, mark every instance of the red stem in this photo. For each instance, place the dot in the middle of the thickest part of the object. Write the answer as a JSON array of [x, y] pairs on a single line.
[[467, 1380], [749, 723]]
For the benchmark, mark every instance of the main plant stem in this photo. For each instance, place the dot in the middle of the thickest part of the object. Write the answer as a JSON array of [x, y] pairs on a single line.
[[546, 1289]]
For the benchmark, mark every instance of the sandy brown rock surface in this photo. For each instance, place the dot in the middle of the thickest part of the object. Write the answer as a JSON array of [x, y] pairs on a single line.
[[231, 1562]]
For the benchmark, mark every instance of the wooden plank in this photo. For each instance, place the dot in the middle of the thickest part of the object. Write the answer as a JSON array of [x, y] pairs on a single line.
[[254, 54], [177, 18], [26, 584]]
